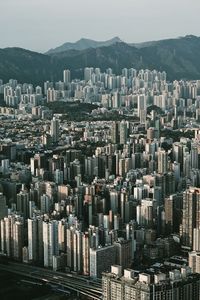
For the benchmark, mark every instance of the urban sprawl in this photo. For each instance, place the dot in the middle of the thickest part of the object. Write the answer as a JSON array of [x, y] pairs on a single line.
[[111, 195]]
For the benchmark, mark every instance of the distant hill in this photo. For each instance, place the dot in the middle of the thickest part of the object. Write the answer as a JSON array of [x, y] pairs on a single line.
[[180, 58], [25, 65], [83, 44]]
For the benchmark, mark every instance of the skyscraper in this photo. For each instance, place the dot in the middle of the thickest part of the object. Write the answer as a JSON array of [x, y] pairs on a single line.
[[162, 161], [32, 239], [66, 77], [88, 73], [3, 207], [123, 130], [35, 239], [191, 215], [50, 240], [101, 260], [115, 133], [18, 239], [55, 130]]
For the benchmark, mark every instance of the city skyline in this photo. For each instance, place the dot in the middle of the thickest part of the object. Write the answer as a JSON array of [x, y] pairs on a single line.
[[100, 150], [40, 25], [100, 175]]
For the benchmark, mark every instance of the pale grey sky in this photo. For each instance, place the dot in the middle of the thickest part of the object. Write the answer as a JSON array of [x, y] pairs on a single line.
[[43, 24]]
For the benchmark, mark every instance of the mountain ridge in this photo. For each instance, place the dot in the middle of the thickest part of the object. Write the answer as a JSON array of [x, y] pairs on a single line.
[[178, 57], [83, 44]]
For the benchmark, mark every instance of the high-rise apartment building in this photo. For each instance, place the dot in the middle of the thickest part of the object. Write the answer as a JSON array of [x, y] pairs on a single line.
[[35, 239], [50, 242], [162, 161], [123, 132], [3, 206], [101, 260], [55, 130], [151, 285], [66, 76], [194, 261], [191, 215], [18, 239]]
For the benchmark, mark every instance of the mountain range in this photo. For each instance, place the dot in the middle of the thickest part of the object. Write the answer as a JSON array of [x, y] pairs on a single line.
[[83, 44], [179, 57]]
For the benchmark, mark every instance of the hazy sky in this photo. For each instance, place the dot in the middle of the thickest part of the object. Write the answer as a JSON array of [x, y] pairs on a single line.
[[43, 24]]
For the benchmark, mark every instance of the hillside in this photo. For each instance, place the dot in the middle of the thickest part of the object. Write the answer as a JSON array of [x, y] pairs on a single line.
[[83, 44], [25, 65], [178, 57]]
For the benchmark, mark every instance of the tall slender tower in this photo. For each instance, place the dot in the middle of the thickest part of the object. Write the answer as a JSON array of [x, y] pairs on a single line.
[[55, 130], [3, 207], [191, 215], [162, 161], [66, 76]]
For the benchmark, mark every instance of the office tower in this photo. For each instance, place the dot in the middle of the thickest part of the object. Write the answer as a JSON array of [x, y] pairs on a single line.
[[50, 241], [194, 261], [3, 206], [162, 161], [55, 130], [101, 260], [66, 77], [191, 215]]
